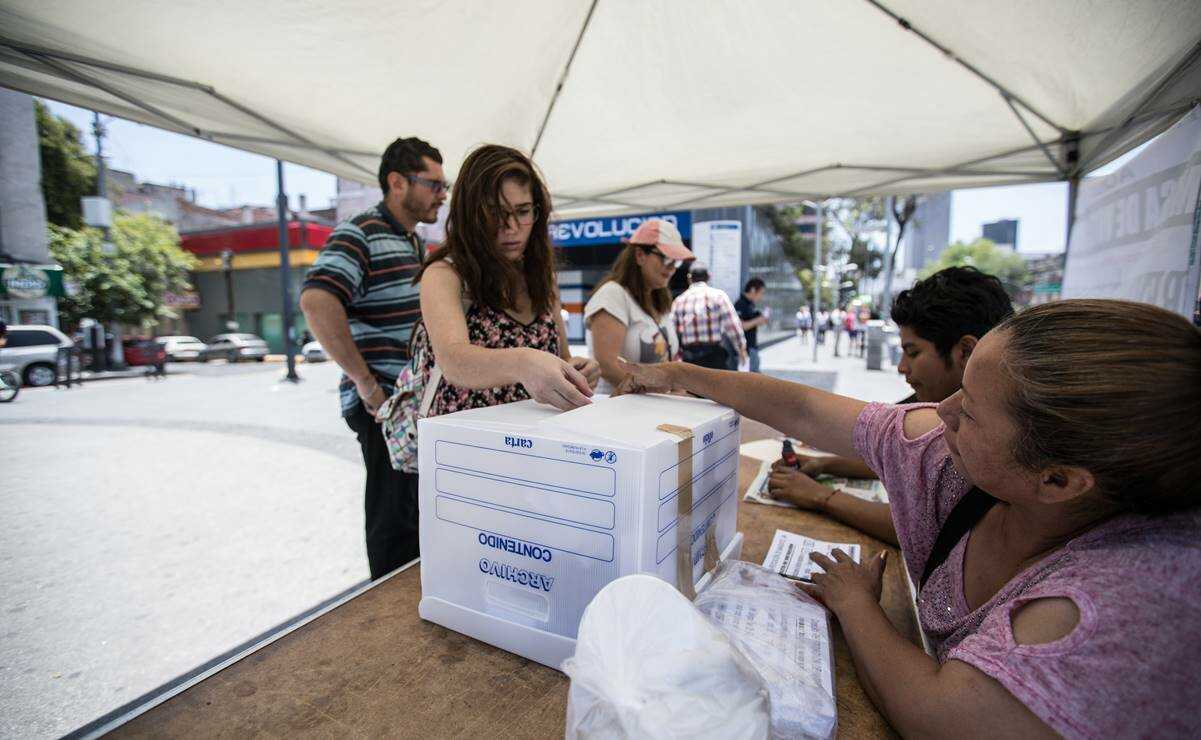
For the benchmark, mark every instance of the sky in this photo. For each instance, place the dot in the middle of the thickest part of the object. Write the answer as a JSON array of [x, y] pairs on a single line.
[[225, 177]]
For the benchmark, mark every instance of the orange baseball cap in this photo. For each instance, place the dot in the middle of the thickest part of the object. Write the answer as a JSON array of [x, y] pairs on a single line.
[[664, 235]]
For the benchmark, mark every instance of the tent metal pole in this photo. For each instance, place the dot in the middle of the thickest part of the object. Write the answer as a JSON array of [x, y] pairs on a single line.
[[967, 65], [285, 271], [82, 78], [563, 78], [1030, 130], [1073, 196]]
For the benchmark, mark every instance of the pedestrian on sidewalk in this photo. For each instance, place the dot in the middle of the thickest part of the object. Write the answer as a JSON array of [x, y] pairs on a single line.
[[361, 304], [804, 323], [823, 326], [703, 317], [629, 313], [752, 318]]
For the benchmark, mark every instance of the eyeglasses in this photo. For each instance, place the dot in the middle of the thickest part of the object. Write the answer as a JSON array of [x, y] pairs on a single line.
[[437, 187], [667, 261], [524, 215]]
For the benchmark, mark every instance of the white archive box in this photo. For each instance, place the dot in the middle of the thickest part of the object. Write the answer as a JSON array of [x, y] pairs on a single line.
[[527, 512]]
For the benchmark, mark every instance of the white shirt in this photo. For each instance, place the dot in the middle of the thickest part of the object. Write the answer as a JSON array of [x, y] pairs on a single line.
[[646, 340]]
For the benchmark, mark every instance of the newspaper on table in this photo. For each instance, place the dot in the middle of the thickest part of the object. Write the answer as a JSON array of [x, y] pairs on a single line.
[[789, 554], [865, 488]]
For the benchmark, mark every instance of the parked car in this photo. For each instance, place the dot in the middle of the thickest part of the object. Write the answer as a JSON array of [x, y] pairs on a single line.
[[147, 352], [314, 352], [182, 349], [32, 352], [235, 348]]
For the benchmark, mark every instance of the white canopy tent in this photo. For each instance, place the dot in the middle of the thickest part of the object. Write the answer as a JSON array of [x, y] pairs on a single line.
[[639, 105]]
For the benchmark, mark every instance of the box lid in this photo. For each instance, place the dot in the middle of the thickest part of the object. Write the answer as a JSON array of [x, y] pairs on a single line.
[[632, 420]]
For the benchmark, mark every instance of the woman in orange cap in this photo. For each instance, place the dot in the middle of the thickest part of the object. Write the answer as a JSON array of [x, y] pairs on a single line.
[[629, 314]]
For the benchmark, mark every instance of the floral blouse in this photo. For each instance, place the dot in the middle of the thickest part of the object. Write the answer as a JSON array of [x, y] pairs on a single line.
[[487, 327]]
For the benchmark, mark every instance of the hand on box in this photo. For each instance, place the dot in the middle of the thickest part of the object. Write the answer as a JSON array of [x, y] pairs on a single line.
[[786, 483], [589, 368], [551, 380], [846, 584]]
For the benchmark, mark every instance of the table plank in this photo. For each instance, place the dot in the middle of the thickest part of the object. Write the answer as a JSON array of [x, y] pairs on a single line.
[[372, 667]]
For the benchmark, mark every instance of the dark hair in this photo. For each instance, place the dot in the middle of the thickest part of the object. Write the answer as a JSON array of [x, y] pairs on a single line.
[[404, 156], [626, 273], [754, 284], [950, 304], [698, 272], [474, 221], [1113, 387]]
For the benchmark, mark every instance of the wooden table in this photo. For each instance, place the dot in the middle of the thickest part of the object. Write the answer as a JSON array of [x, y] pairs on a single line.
[[372, 668]]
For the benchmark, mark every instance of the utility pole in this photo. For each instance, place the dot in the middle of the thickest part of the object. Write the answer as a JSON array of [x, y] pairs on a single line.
[[285, 271], [117, 354], [817, 275]]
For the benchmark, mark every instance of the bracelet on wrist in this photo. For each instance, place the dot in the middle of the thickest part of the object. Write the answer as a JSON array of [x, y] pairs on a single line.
[[829, 496]]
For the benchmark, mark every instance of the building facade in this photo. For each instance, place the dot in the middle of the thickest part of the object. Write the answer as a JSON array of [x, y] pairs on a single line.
[[237, 282], [30, 282], [1003, 233]]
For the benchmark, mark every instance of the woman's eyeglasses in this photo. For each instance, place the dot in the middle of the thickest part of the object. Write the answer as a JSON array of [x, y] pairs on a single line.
[[667, 261], [524, 215]]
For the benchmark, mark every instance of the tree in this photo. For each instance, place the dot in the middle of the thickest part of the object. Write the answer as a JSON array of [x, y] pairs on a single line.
[[798, 246], [986, 257], [68, 172], [126, 286], [859, 219]]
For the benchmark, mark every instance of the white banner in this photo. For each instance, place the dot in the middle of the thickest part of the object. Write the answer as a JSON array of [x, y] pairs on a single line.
[[719, 245], [1136, 230]]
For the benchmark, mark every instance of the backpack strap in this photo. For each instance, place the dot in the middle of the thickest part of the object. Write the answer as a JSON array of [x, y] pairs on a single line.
[[967, 513]]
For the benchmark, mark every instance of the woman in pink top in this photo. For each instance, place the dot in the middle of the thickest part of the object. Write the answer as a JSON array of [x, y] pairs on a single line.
[[1066, 593]]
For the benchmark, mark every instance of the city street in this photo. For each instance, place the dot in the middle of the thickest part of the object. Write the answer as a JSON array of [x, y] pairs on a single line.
[[150, 526]]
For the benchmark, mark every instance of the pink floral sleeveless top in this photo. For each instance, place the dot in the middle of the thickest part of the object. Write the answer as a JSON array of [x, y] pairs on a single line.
[[487, 327]]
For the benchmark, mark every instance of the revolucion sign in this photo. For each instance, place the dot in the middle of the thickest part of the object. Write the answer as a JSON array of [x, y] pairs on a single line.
[[610, 229]]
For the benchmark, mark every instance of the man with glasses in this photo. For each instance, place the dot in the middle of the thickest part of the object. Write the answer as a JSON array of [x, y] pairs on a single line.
[[703, 316], [361, 305]]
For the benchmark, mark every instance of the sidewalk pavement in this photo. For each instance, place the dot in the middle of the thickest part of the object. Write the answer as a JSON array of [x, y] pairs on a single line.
[[846, 376]]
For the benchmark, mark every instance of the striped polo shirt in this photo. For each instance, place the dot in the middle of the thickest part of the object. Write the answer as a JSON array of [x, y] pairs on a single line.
[[368, 263]]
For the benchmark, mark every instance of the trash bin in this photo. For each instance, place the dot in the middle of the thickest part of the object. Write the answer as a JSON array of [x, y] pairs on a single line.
[[875, 345]]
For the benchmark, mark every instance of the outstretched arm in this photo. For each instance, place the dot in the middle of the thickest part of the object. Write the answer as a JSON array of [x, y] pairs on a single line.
[[822, 420]]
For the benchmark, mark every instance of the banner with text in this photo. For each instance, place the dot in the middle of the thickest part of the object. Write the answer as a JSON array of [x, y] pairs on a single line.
[[1136, 230]]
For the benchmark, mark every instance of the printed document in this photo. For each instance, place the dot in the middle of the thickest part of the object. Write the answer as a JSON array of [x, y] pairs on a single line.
[[789, 554]]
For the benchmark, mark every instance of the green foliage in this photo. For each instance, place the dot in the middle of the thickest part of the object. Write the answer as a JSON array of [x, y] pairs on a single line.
[[986, 257], [128, 285], [68, 172], [858, 220]]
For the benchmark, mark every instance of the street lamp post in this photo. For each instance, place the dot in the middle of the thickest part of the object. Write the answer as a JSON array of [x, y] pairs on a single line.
[[285, 270], [227, 262], [817, 260]]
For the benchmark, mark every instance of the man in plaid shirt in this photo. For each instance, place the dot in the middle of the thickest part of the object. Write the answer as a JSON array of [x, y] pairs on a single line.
[[703, 317]]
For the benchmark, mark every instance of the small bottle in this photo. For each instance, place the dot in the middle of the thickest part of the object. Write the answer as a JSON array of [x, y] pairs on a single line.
[[789, 454]]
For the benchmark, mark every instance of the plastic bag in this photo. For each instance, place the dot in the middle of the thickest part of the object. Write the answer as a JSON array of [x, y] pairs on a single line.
[[751, 658], [649, 665], [785, 635]]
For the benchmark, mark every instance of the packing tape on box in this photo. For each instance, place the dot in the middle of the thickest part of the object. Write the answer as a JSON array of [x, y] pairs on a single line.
[[684, 514]]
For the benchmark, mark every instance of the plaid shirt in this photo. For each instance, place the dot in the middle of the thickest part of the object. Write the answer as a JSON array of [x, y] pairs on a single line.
[[703, 315]]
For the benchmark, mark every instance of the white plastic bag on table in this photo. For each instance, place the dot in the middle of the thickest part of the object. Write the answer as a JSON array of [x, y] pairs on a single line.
[[649, 665], [785, 635]]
